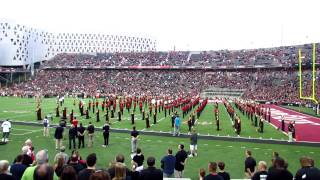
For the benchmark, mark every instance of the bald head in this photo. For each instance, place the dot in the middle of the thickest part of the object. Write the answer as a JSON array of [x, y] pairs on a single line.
[[42, 157], [4, 164]]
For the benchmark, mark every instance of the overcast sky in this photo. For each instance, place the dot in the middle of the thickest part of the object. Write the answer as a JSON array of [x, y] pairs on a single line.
[[185, 24]]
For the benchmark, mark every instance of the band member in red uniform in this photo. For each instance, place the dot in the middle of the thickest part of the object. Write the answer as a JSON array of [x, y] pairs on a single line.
[[147, 121], [39, 118], [218, 121], [269, 115], [103, 105], [93, 108], [75, 122], [90, 104], [154, 118], [112, 113], [140, 106], [143, 114], [119, 116], [87, 113], [193, 118], [107, 116], [98, 115], [57, 111], [97, 104], [238, 125], [64, 113], [189, 124], [260, 130], [121, 108], [71, 116], [132, 117], [150, 108]]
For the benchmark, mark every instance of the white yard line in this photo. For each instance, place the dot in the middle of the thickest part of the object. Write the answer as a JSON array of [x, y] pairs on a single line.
[[297, 112], [28, 132]]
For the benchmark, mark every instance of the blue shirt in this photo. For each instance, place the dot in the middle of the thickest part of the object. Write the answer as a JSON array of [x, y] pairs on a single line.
[[177, 121], [17, 170], [168, 163]]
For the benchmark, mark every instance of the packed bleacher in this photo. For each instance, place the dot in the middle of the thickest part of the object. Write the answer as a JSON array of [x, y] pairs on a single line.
[[269, 85], [280, 56], [277, 81]]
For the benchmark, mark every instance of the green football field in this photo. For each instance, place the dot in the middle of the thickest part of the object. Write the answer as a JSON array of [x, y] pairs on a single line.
[[23, 109], [232, 153]]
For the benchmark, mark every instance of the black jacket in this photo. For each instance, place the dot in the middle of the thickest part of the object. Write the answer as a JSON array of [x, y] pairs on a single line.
[[58, 134], [72, 132], [151, 173]]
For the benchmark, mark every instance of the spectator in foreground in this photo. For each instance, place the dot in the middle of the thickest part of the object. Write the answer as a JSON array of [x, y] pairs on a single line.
[[17, 169], [249, 164], [279, 171], [151, 172], [222, 173], [100, 175], [262, 173], [213, 175], [119, 159], [167, 164], [27, 160], [120, 172], [139, 159], [41, 159], [307, 171], [74, 162], [91, 167], [181, 158], [202, 174], [68, 173], [4, 173], [62, 154], [43, 172], [59, 165]]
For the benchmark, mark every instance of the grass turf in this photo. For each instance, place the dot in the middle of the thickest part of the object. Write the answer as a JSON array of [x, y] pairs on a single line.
[[232, 153], [23, 109]]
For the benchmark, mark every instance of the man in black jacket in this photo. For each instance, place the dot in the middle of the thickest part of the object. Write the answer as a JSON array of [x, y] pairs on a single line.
[[72, 136], [307, 171], [58, 135], [81, 131], [106, 130], [151, 172]]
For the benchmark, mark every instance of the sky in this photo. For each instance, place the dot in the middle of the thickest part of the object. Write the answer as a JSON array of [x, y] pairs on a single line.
[[181, 24]]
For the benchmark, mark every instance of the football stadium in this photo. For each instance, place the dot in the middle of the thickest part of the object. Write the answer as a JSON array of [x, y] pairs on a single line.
[[119, 90]]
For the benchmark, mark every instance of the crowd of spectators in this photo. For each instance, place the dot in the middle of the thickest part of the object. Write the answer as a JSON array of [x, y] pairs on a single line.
[[284, 56], [270, 85], [90, 82], [74, 167]]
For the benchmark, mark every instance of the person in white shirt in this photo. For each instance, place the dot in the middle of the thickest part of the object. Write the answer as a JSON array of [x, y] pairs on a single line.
[[46, 126], [6, 126]]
